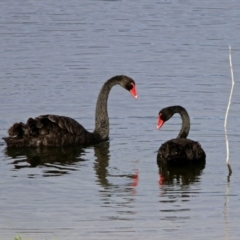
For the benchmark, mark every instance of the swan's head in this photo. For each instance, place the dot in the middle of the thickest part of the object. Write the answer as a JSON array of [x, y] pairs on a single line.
[[129, 84], [164, 115]]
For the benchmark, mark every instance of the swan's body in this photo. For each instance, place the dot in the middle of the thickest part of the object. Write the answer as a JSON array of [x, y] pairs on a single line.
[[180, 151], [54, 130]]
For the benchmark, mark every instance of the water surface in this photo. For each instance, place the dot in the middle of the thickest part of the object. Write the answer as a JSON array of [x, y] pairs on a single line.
[[55, 56]]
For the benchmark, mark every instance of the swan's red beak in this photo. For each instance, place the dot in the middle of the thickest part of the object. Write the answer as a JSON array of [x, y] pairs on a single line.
[[160, 122], [133, 91]]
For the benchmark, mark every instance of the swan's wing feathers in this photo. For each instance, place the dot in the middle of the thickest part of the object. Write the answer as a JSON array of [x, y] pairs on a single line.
[[15, 130], [198, 150], [44, 125], [180, 151], [171, 150], [65, 123]]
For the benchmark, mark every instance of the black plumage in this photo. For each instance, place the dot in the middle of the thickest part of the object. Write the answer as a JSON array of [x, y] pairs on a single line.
[[54, 130], [180, 151]]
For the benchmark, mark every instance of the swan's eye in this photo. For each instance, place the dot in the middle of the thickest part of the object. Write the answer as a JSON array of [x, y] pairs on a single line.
[[161, 117]]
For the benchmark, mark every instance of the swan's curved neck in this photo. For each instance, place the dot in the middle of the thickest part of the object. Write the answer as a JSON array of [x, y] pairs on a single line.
[[101, 113], [185, 121]]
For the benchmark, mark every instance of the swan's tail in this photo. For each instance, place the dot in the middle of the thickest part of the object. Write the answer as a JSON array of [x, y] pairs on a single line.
[[16, 142]]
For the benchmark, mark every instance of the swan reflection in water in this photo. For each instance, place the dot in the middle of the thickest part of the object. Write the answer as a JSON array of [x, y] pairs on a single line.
[[117, 191], [177, 187], [57, 161], [101, 166], [62, 160], [180, 176]]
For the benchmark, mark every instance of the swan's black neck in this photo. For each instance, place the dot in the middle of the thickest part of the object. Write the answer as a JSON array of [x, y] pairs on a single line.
[[101, 113], [185, 121]]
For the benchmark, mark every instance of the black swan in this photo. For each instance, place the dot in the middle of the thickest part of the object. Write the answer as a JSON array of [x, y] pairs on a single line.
[[53, 130], [180, 151]]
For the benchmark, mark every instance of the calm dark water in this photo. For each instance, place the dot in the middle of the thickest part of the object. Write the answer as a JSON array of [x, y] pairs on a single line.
[[55, 56]]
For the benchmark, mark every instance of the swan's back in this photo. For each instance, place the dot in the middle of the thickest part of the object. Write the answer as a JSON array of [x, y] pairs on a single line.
[[48, 130], [180, 152]]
